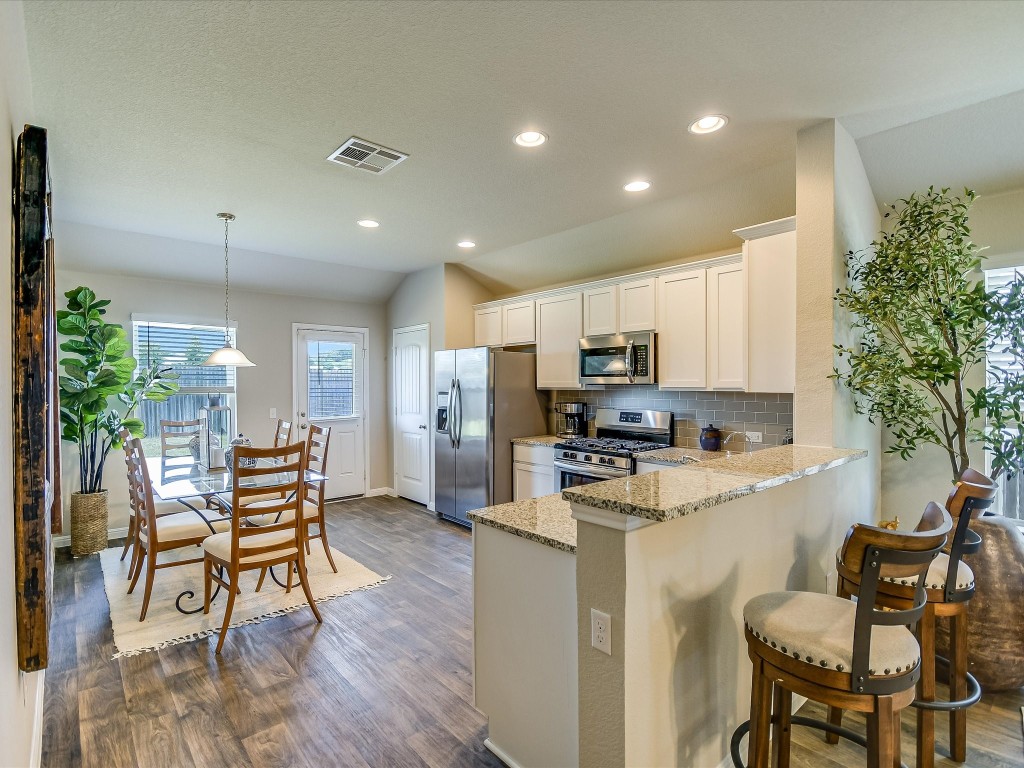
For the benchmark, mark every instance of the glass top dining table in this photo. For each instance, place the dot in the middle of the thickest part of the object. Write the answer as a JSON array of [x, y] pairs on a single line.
[[181, 477]]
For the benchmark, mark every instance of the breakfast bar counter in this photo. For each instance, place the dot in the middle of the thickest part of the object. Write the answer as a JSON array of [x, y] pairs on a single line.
[[670, 556]]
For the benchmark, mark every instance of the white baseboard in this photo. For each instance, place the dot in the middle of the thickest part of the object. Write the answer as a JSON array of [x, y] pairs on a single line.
[[36, 755], [501, 754], [112, 533], [430, 506], [380, 492]]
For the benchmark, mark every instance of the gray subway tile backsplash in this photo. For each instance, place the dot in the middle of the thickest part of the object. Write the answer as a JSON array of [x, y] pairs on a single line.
[[769, 413]]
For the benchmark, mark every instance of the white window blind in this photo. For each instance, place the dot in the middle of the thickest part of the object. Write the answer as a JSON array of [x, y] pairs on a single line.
[[184, 348], [333, 379], [999, 280]]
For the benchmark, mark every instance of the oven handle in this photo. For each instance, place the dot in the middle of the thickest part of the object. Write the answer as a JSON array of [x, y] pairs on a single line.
[[629, 362], [597, 471]]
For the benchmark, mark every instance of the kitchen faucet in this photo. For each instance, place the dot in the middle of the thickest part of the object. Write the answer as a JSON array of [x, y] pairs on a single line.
[[746, 440]]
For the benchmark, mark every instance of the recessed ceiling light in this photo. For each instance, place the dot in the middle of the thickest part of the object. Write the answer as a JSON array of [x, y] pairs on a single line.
[[368, 223], [530, 139], [637, 186], [708, 124], [467, 244]]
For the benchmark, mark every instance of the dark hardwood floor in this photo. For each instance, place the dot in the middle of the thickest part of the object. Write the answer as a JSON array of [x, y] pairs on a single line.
[[384, 682]]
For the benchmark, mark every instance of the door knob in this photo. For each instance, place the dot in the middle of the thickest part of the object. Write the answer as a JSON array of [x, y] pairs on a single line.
[[303, 426], [423, 426], [302, 414]]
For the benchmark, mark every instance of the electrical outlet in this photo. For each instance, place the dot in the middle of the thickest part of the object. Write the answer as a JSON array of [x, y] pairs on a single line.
[[830, 582], [273, 413], [755, 437], [601, 631]]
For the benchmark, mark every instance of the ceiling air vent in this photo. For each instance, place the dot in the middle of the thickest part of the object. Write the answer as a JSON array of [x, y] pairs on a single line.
[[366, 156]]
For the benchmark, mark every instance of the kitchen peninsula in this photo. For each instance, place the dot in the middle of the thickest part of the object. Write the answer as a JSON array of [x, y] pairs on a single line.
[[671, 556]]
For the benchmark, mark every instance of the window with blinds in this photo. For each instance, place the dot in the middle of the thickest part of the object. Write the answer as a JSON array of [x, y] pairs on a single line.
[[333, 374], [184, 348], [1010, 499]]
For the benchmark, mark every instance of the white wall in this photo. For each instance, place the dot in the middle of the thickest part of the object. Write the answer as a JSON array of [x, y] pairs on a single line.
[[21, 695], [264, 334]]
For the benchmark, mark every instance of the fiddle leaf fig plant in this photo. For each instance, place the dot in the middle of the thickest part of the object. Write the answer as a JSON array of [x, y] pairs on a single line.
[[926, 321], [101, 388]]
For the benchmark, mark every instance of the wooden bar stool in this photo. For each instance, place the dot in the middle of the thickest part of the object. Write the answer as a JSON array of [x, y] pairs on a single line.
[[949, 586], [840, 653]]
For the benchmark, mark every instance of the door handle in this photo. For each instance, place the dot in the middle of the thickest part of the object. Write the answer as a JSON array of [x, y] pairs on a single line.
[[302, 414], [451, 413], [303, 426], [629, 361], [423, 426], [458, 401]]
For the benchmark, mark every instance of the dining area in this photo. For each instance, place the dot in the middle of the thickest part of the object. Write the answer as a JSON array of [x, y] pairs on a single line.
[[198, 536]]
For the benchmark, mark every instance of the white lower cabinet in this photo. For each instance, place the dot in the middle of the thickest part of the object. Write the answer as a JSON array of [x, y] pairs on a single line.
[[559, 328], [533, 471]]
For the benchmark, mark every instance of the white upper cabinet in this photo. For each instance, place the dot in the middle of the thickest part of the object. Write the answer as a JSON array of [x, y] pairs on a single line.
[[769, 258], [638, 305], [682, 329], [559, 327], [601, 311], [727, 327], [518, 323], [487, 327]]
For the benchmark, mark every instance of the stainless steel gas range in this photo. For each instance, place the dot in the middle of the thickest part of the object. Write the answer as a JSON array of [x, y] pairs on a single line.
[[621, 435]]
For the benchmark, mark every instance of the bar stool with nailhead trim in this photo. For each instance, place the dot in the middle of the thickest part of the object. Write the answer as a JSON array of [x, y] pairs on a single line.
[[949, 587], [837, 652]]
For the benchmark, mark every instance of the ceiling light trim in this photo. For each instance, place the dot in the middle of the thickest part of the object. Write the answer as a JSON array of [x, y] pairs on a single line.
[[708, 124]]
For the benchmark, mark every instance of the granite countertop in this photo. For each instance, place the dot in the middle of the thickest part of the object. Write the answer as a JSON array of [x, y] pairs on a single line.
[[679, 491], [541, 440], [675, 456], [547, 520]]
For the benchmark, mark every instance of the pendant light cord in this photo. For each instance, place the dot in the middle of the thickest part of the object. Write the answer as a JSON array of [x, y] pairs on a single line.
[[227, 334]]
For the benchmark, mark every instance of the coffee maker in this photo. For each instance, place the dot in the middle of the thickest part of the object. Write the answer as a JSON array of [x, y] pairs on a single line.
[[575, 419]]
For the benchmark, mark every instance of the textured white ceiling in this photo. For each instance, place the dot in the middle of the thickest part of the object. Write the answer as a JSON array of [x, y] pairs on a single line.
[[162, 114]]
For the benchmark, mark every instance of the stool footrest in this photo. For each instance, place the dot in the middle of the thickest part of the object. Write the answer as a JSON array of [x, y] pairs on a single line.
[[807, 722], [972, 698]]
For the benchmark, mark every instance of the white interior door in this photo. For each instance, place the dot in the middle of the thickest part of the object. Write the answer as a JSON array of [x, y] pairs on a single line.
[[330, 370], [411, 349]]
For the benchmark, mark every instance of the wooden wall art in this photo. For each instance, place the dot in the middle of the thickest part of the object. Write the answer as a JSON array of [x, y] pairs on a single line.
[[36, 443]]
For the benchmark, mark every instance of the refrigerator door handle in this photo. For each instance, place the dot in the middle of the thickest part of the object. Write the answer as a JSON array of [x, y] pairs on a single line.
[[458, 402], [451, 413]]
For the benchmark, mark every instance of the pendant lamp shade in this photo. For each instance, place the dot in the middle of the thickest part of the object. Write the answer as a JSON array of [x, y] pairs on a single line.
[[228, 355]]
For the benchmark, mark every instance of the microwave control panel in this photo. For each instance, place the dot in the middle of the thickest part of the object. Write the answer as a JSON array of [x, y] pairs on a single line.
[[642, 367]]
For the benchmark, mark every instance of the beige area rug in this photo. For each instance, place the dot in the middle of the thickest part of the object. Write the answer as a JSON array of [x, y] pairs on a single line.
[[165, 625]]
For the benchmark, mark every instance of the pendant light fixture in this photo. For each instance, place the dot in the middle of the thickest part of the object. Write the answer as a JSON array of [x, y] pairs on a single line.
[[227, 355]]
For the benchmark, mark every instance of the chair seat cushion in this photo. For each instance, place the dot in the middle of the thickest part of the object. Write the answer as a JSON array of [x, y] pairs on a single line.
[[818, 629], [186, 525], [220, 546], [309, 512], [165, 508], [936, 576]]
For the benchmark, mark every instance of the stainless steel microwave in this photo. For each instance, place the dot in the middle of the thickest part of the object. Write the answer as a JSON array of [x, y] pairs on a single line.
[[627, 358]]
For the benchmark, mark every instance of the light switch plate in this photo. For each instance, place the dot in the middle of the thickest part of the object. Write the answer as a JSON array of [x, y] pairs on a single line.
[[273, 413]]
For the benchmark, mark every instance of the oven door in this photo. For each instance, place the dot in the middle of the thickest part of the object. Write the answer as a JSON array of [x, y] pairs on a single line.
[[627, 358], [572, 475]]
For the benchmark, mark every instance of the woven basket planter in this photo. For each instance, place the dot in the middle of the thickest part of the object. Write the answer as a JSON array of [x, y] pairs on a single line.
[[88, 523]]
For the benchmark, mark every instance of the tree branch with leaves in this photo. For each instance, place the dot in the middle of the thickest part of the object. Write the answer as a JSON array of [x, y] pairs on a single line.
[[925, 321]]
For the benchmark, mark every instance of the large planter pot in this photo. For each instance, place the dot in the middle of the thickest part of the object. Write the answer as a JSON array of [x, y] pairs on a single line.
[[995, 624], [88, 523]]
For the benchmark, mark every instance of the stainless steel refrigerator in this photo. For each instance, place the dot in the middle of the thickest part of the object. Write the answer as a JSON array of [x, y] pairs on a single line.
[[482, 399]]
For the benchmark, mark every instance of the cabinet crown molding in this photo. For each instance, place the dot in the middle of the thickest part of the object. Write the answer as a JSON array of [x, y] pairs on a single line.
[[731, 258], [767, 229]]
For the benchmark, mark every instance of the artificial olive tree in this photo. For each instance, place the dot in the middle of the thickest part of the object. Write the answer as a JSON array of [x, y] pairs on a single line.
[[925, 321]]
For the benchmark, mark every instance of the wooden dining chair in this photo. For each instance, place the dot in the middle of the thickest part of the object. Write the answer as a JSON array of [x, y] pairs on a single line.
[[161, 508], [246, 548], [317, 443], [176, 435], [187, 528], [283, 433]]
